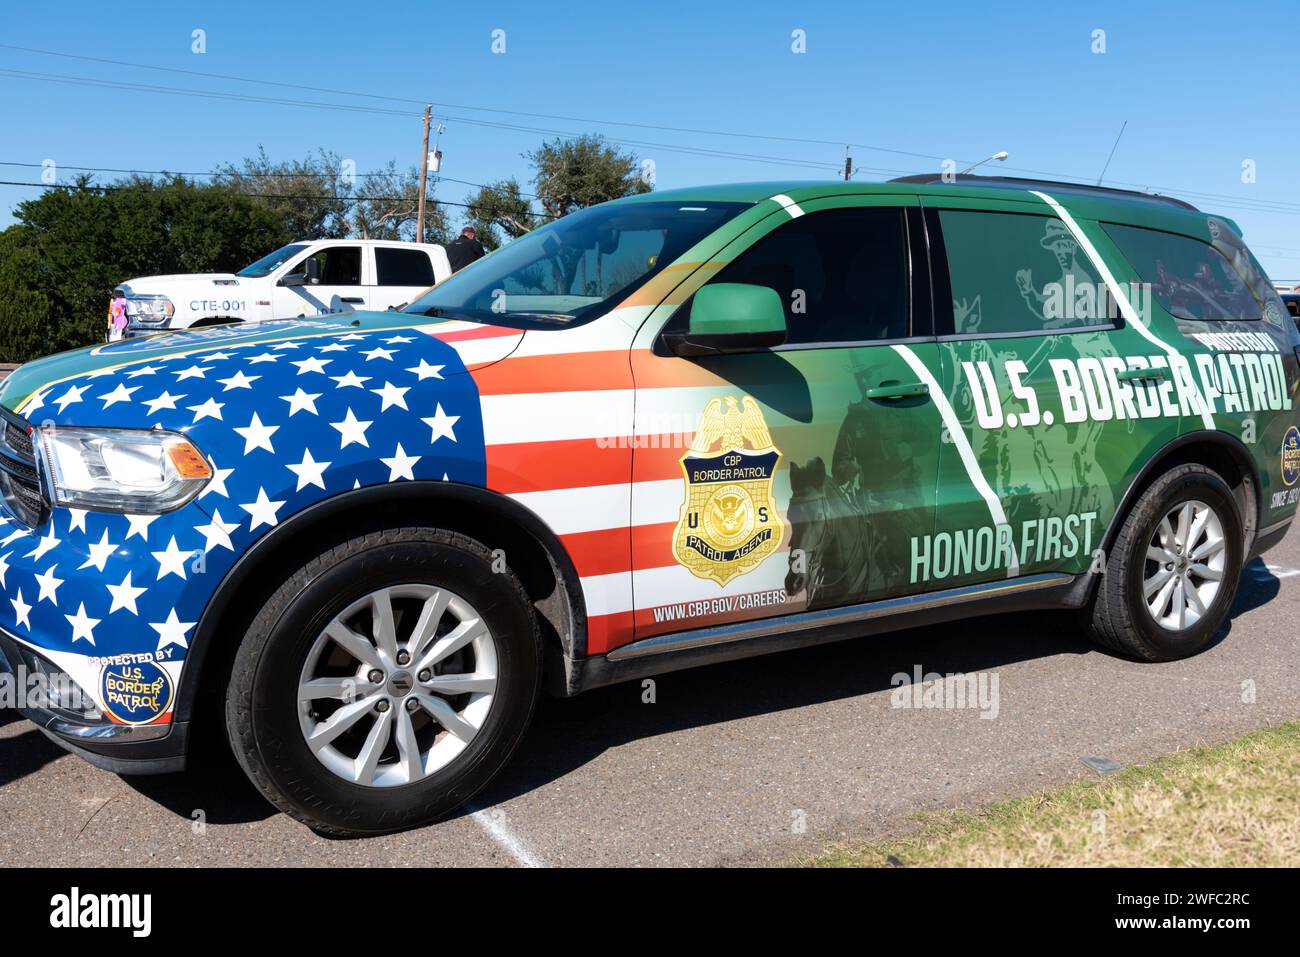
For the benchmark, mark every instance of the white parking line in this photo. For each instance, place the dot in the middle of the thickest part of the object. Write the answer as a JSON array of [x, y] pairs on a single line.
[[494, 822], [1278, 571]]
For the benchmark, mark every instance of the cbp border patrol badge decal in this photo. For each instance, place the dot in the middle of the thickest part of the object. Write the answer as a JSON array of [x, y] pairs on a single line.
[[1291, 456], [136, 693], [729, 521]]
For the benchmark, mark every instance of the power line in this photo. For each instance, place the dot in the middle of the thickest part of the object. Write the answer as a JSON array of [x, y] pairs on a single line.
[[772, 137], [206, 94], [1243, 203], [232, 172], [574, 119], [277, 101], [211, 76], [112, 188]]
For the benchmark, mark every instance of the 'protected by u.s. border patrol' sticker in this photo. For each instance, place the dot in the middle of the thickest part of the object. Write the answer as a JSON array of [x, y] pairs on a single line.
[[1291, 456], [729, 521], [136, 693]]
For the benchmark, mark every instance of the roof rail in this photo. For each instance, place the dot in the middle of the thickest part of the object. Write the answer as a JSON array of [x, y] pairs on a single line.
[[1016, 182]]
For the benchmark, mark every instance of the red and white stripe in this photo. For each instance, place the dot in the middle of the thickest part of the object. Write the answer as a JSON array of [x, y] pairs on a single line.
[[559, 428]]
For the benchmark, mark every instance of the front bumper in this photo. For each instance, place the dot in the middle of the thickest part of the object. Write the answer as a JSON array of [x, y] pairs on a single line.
[[120, 748], [136, 330], [86, 596]]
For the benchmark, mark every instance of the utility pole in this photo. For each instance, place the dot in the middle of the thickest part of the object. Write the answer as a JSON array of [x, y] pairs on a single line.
[[848, 165], [424, 176]]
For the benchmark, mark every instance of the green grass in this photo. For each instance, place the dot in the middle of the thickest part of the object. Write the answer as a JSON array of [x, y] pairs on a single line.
[[1235, 804]]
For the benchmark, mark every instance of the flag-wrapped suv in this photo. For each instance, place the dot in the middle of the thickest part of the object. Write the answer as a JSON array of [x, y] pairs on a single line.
[[665, 431]]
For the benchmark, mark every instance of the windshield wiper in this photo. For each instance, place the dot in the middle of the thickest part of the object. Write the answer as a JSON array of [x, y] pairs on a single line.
[[561, 317], [438, 312]]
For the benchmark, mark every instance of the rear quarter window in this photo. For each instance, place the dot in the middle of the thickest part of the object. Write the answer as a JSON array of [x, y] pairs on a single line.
[[1190, 279], [403, 267]]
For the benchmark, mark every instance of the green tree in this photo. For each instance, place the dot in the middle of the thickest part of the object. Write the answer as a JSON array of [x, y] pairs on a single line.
[[573, 174], [311, 196], [73, 244], [323, 197], [386, 206], [500, 209], [26, 314]]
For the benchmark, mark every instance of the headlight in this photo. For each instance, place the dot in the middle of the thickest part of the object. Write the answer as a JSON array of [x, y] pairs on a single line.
[[121, 470], [149, 308]]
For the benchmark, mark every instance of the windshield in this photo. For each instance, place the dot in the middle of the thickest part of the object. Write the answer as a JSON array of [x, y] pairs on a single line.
[[270, 262], [576, 268]]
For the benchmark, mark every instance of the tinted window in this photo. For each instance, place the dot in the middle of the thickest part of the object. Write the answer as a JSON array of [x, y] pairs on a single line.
[[1017, 273], [841, 274], [339, 265], [403, 267], [1189, 278]]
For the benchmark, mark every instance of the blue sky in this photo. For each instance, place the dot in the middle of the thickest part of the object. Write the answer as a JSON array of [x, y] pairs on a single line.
[[1203, 87]]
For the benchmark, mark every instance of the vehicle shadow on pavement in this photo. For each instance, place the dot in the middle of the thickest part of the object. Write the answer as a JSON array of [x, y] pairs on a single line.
[[567, 734], [213, 781], [1258, 587], [24, 753]]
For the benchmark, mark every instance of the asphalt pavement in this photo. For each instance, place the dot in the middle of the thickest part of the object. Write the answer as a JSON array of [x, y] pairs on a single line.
[[746, 762]]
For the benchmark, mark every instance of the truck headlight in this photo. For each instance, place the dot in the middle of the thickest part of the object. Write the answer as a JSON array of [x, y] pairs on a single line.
[[121, 470], [149, 308]]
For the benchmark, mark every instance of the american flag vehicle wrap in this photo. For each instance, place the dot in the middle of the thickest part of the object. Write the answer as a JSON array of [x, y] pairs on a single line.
[[301, 411], [288, 416]]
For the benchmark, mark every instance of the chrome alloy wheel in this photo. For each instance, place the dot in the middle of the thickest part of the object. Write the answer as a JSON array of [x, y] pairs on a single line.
[[397, 685], [1184, 565]]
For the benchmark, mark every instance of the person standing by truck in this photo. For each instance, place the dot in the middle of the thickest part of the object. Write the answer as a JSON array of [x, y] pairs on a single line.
[[117, 315], [465, 249]]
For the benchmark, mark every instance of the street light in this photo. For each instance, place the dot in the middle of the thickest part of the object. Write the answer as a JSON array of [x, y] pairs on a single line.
[[999, 156]]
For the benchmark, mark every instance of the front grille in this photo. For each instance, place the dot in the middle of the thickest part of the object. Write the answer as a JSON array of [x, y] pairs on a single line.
[[20, 482]]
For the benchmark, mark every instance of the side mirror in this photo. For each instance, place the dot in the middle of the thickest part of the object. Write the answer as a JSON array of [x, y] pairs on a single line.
[[310, 275], [731, 317]]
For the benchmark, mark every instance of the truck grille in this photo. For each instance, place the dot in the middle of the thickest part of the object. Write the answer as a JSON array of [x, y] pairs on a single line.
[[20, 481]]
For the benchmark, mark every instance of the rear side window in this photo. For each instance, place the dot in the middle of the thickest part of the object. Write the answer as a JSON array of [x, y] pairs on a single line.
[[1189, 278], [1017, 273], [842, 274], [403, 267]]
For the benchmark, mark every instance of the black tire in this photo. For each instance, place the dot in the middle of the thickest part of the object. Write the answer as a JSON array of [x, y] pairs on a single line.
[[262, 718], [1118, 617]]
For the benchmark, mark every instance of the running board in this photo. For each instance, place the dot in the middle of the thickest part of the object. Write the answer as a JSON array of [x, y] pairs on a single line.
[[830, 617]]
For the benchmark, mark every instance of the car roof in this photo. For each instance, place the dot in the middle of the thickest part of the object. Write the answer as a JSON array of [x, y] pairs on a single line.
[[1082, 200], [365, 242]]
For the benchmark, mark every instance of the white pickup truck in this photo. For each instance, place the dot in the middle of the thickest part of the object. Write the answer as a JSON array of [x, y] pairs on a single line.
[[312, 278]]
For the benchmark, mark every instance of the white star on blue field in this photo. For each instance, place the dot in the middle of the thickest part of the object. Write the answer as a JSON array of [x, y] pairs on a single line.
[[284, 425]]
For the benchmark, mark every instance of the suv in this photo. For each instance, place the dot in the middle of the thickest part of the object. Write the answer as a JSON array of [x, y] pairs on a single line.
[[674, 429], [314, 278]]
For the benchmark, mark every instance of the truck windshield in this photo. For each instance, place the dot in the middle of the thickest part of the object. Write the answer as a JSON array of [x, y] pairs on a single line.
[[576, 268], [270, 262]]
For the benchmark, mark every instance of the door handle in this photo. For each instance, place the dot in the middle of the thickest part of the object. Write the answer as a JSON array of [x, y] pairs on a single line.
[[350, 299], [898, 390], [1154, 374]]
